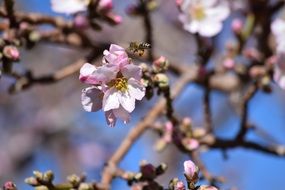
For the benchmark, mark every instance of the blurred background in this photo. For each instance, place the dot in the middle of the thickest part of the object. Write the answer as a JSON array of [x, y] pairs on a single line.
[[45, 127]]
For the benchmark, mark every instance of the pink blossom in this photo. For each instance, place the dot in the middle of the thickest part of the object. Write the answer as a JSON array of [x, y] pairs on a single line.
[[237, 25], [69, 6], [105, 5], [192, 144], [179, 186], [11, 52], [116, 85], [190, 169], [229, 63]]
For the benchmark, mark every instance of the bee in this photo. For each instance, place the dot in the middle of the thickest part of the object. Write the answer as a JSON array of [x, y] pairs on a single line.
[[137, 47]]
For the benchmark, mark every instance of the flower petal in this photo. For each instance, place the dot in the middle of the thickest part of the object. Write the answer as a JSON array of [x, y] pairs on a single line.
[[91, 99], [136, 89], [132, 71], [218, 13], [210, 28], [127, 102], [110, 118], [111, 100], [105, 73], [122, 114], [68, 6], [87, 74]]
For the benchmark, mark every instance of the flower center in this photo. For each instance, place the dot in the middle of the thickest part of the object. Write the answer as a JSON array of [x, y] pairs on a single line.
[[121, 84], [197, 12]]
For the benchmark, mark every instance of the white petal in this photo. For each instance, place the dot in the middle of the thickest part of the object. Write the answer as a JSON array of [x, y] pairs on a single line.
[[278, 27], [127, 102], [210, 28], [69, 6], [110, 100], [192, 27], [136, 89], [122, 114], [208, 3], [91, 99], [218, 13]]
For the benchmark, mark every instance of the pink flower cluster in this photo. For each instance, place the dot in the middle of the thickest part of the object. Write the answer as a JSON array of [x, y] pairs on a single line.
[[116, 85]]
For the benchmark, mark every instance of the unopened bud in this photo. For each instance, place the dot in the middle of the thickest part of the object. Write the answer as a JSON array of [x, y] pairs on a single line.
[[161, 64], [32, 181], [179, 186], [85, 186], [207, 187], [237, 26], [11, 52], [229, 63], [162, 80], [48, 176], [9, 185], [38, 175], [73, 180], [80, 21], [42, 187], [191, 171], [35, 36], [161, 169], [105, 5], [148, 171]]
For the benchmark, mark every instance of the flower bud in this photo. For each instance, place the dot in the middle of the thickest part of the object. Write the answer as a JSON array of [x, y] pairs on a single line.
[[191, 144], [11, 52], [162, 80], [73, 180], [229, 63], [80, 22], [48, 176], [148, 171], [161, 169], [85, 186], [191, 171], [34, 36], [179, 186], [38, 175], [161, 64], [207, 187], [237, 25], [42, 187], [9, 185], [105, 5], [32, 181]]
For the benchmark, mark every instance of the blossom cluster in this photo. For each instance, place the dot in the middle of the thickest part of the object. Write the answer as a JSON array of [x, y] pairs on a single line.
[[116, 85]]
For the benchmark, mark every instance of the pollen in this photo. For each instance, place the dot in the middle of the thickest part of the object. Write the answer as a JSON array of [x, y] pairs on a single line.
[[198, 12], [121, 84]]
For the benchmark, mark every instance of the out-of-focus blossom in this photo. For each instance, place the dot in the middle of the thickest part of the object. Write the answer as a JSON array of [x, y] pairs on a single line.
[[9, 185], [207, 187], [11, 52], [80, 21], [190, 170], [69, 6], [191, 144], [105, 5], [278, 30], [179, 186], [279, 71], [204, 17], [116, 85], [229, 63], [237, 25]]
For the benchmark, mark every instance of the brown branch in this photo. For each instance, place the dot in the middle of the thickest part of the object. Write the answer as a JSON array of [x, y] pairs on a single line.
[[244, 126], [141, 127], [9, 6], [28, 80], [207, 108]]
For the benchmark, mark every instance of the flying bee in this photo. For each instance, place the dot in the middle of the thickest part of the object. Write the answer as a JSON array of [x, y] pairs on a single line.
[[137, 47]]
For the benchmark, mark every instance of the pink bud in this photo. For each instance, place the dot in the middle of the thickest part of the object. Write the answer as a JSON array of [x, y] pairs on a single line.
[[192, 144], [190, 169], [179, 2], [169, 126], [118, 19], [80, 21], [179, 186], [105, 5], [9, 185], [11, 52], [187, 121], [237, 25], [229, 63]]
